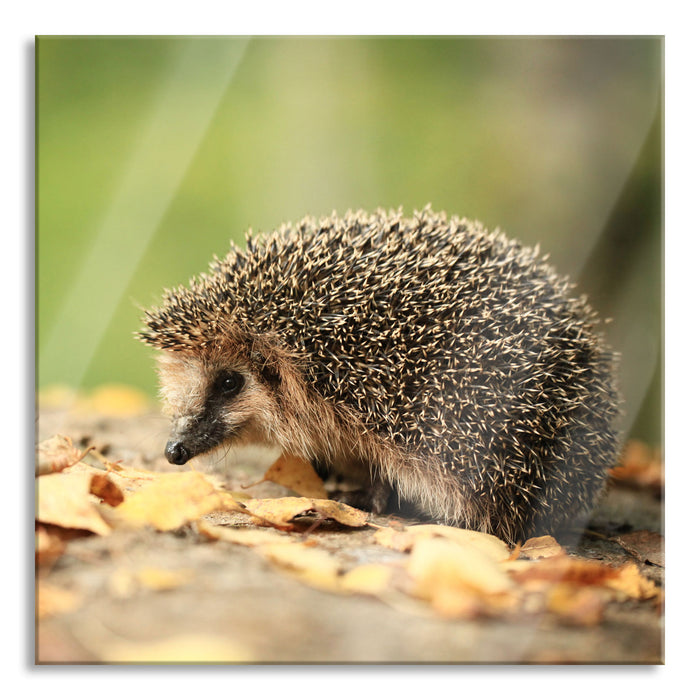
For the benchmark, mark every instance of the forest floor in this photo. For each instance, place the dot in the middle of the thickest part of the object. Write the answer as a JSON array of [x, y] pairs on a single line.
[[185, 593]]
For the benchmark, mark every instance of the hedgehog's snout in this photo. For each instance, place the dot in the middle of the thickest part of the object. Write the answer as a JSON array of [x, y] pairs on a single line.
[[176, 452]]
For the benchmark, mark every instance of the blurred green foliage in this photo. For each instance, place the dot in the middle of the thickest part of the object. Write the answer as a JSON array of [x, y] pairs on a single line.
[[153, 153]]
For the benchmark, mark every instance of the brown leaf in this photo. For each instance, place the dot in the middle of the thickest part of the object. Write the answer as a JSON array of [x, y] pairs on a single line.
[[64, 499], [56, 454], [640, 466], [541, 547], [581, 572], [298, 475], [280, 512], [106, 490], [645, 545], [576, 605]]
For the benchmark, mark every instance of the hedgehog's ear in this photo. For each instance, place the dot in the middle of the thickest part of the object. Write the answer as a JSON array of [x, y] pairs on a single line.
[[267, 366]]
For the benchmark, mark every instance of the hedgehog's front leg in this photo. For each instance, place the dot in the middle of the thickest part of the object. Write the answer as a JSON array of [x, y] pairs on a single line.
[[372, 495]]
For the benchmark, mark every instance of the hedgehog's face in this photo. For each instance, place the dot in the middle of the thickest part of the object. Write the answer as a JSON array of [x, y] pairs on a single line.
[[213, 403]]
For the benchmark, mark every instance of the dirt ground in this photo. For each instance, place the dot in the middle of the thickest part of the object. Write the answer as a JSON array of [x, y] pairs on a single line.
[[236, 607]]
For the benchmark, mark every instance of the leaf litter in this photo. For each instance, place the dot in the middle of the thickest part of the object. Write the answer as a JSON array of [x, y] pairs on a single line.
[[446, 571]]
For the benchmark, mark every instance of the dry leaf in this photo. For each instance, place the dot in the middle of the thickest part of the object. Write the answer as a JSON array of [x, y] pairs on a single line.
[[314, 566], [440, 562], [182, 649], [640, 466], [52, 600], [541, 548], [404, 540], [398, 540], [647, 546], [575, 604], [370, 579], [106, 490], [281, 511], [56, 454], [582, 572], [298, 475], [64, 499], [247, 537], [170, 501], [630, 581]]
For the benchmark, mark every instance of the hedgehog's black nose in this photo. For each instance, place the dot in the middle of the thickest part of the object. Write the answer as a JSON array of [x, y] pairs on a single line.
[[176, 452]]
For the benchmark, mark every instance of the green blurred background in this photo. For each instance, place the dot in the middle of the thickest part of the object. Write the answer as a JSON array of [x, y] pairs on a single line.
[[153, 153]]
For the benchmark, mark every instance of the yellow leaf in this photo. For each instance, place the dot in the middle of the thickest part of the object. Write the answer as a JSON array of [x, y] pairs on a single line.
[[281, 511], [64, 499], [632, 583], [371, 579], [404, 540], [399, 540], [575, 604], [298, 475], [438, 562], [314, 566], [248, 537], [170, 501]]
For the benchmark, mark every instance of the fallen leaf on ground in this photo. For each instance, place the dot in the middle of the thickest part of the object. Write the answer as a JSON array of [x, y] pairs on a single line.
[[541, 547], [458, 579], [582, 572], [630, 581], [179, 649], [298, 475], [106, 490], [248, 537], [404, 540], [171, 501], [575, 604], [370, 579], [640, 465], [52, 600], [312, 565], [645, 545], [280, 512], [65, 499], [438, 562], [56, 454]]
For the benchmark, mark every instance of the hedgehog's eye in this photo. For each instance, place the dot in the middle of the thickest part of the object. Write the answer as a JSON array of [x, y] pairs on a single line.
[[230, 383]]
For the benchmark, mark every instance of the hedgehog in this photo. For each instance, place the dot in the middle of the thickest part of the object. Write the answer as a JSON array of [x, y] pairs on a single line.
[[423, 361]]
